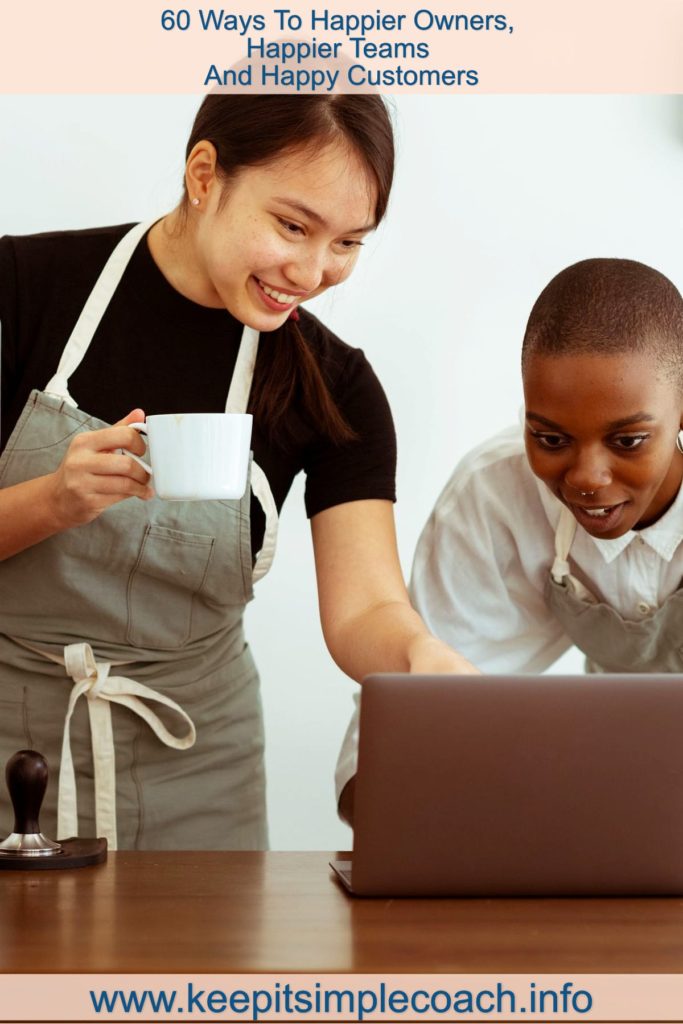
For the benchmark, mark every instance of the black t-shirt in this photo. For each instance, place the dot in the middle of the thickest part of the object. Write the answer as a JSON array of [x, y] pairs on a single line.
[[164, 353]]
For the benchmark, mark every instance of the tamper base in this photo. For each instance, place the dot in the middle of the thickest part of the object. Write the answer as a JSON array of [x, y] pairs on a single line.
[[29, 844]]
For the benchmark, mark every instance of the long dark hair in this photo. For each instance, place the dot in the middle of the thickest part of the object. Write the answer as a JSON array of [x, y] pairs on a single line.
[[252, 129]]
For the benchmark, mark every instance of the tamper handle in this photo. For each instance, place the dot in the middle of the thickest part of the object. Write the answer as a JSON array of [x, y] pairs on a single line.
[[26, 775]]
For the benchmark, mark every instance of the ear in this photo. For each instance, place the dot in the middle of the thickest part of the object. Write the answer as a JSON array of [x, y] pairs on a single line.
[[200, 170]]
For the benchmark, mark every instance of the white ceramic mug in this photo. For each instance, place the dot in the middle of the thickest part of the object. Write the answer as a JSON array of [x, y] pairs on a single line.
[[197, 455]]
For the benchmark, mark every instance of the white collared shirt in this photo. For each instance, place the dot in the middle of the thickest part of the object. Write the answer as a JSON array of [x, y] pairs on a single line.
[[483, 559]]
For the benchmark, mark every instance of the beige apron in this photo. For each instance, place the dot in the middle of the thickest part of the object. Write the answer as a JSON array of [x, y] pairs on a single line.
[[140, 614], [610, 642]]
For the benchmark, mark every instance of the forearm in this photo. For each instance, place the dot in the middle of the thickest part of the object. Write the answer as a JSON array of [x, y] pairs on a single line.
[[368, 621], [385, 638], [27, 515]]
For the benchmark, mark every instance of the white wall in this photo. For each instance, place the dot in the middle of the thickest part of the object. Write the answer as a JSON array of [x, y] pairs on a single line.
[[494, 194]]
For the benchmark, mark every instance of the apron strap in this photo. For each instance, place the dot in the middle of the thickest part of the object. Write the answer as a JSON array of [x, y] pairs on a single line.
[[243, 374], [92, 679], [264, 496], [564, 536], [238, 400], [93, 311]]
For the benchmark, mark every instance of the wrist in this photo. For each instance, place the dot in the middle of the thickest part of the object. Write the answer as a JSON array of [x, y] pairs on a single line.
[[51, 509], [431, 656], [420, 646]]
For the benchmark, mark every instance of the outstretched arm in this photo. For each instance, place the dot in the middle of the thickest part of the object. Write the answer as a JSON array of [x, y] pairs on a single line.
[[368, 622]]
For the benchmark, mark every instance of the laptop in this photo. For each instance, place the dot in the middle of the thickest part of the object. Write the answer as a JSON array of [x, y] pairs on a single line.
[[519, 786]]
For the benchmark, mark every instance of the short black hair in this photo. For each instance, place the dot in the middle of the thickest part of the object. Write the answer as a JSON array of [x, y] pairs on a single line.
[[606, 307]]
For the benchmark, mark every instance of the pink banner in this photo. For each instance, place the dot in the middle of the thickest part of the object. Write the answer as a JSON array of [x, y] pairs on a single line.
[[326, 997], [518, 46]]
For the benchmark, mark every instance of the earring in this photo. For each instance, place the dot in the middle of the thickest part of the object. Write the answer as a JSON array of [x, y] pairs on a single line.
[[679, 441], [195, 201]]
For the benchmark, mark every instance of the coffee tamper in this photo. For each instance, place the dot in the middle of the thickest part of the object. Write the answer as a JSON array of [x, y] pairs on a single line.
[[27, 848]]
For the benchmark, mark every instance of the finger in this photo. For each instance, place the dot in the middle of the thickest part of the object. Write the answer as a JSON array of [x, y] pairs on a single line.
[[85, 462], [110, 438], [97, 502], [110, 464], [135, 416], [93, 467], [120, 487]]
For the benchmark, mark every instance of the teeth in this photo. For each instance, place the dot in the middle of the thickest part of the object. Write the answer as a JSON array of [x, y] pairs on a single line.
[[595, 512], [282, 297]]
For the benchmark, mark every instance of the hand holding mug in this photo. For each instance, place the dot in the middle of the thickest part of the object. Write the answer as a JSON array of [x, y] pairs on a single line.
[[93, 475]]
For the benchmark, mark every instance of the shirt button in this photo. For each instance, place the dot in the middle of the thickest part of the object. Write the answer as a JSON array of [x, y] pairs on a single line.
[[643, 608]]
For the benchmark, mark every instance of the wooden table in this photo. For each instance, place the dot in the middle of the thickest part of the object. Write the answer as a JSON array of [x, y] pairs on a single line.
[[240, 912]]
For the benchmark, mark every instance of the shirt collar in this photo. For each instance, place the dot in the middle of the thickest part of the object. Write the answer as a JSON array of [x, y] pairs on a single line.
[[663, 537]]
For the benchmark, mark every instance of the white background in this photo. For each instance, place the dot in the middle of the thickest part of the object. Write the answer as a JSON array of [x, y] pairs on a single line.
[[494, 195]]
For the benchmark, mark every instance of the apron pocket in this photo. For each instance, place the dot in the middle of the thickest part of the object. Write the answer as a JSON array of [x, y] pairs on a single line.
[[169, 572]]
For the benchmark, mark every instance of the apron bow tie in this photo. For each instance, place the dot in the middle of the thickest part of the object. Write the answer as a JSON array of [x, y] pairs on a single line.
[[93, 679], [80, 664]]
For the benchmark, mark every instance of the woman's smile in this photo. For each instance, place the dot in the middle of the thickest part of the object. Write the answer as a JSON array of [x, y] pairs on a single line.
[[598, 519], [278, 299]]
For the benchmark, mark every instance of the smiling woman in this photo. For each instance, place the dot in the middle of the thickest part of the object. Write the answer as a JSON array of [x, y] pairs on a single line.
[[603, 384], [613, 471], [271, 238], [573, 533], [199, 312], [580, 523]]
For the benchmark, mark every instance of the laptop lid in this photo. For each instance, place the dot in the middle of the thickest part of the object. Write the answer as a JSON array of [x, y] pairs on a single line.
[[519, 785]]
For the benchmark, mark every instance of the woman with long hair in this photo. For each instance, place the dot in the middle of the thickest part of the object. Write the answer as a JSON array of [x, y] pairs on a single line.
[[134, 603]]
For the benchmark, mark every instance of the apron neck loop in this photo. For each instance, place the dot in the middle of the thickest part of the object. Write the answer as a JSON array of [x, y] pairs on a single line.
[[564, 535], [243, 375], [93, 311]]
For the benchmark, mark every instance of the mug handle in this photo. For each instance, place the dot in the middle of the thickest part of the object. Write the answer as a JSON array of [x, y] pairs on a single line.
[[141, 429]]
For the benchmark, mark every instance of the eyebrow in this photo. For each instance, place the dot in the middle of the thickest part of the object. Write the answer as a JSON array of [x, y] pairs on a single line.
[[312, 215], [639, 417]]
